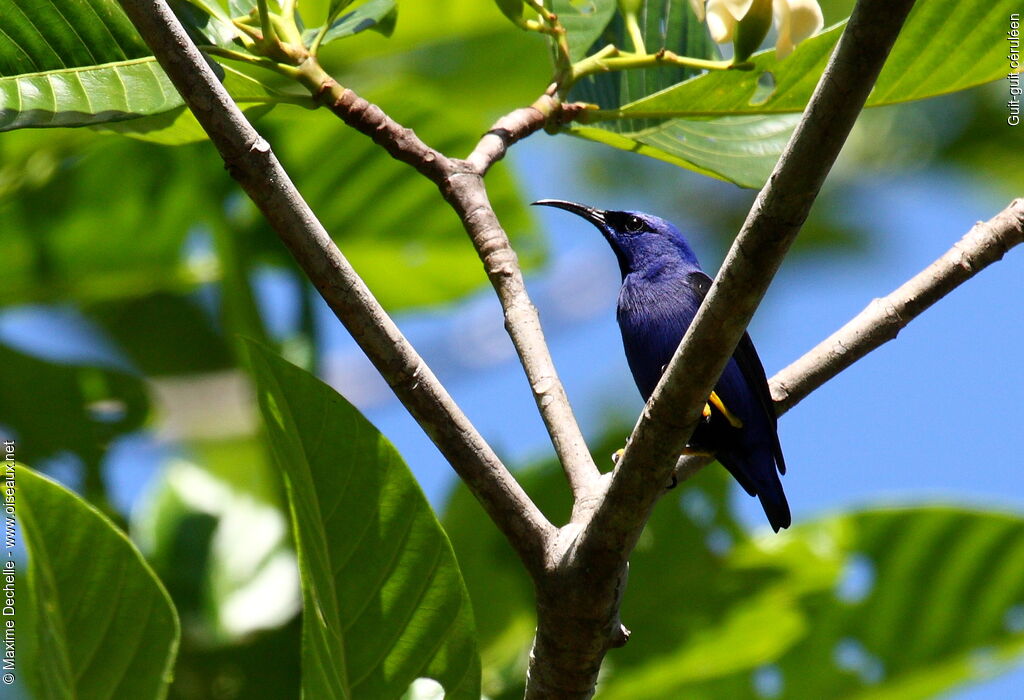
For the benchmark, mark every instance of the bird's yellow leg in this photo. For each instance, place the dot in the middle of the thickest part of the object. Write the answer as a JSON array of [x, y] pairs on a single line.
[[717, 402]]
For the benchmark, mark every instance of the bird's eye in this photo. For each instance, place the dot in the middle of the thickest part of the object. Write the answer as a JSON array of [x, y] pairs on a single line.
[[634, 224]]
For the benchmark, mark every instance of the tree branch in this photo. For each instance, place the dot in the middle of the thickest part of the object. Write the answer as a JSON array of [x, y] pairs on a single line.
[[461, 184], [251, 162], [986, 243]]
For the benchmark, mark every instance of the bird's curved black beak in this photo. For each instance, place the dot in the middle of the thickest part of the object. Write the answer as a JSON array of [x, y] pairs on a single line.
[[594, 216]]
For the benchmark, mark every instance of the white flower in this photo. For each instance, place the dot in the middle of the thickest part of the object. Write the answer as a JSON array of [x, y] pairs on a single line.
[[795, 20]]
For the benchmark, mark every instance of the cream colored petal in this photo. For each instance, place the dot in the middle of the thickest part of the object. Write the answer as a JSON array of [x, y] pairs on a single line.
[[806, 19], [721, 23], [698, 9], [784, 25], [738, 8]]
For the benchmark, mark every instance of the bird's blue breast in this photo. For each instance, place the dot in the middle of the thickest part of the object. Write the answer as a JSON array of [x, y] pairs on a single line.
[[653, 314]]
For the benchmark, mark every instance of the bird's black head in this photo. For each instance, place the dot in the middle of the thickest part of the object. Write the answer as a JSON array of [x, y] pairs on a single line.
[[641, 241]]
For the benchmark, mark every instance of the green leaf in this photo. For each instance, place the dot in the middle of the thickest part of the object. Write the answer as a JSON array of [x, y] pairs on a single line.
[[943, 583], [163, 334], [922, 64], [86, 95], [47, 35], [671, 25], [384, 602], [104, 625], [513, 9], [740, 149], [75, 62], [114, 227], [80, 63], [194, 526], [379, 15], [584, 22]]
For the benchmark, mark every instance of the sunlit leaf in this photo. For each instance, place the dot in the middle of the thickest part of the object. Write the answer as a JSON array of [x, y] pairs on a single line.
[[379, 15], [104, 625], [921, 65], [740, 149], [384, 602]]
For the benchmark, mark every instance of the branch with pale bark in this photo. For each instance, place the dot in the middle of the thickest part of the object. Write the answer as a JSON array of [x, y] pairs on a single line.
[[578, 569]]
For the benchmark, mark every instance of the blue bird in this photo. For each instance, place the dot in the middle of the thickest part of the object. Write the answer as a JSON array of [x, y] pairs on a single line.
[[662, 288]]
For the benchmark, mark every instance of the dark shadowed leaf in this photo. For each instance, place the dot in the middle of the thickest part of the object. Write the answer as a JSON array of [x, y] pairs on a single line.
[[78, 408]]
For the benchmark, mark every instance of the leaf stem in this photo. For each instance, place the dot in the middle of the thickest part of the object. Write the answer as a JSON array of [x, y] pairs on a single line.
[[266, 25], [314, 48], [611, 58], [262, 62], [635, 35]]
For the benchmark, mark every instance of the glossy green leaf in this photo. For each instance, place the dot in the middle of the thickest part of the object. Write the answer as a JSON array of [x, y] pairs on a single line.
[[670, 25], [740, 149], [37, 36], [384, 601], [81, 63], [379, 15], [86, 95], [922, 64], [74, 62], [104, 625]]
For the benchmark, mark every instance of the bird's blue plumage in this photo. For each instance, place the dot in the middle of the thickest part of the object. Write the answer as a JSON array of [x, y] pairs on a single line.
[[662, 288]]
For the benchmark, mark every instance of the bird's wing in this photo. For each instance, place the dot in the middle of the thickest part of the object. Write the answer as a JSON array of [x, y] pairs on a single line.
[[750, 366]]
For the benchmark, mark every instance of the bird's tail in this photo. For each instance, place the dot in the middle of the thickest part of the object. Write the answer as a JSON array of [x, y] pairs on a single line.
[[758, 476], [773, 500]]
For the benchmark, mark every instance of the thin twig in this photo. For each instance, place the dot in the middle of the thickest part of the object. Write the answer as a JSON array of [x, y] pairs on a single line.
[[250, 160], [987, 242]]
